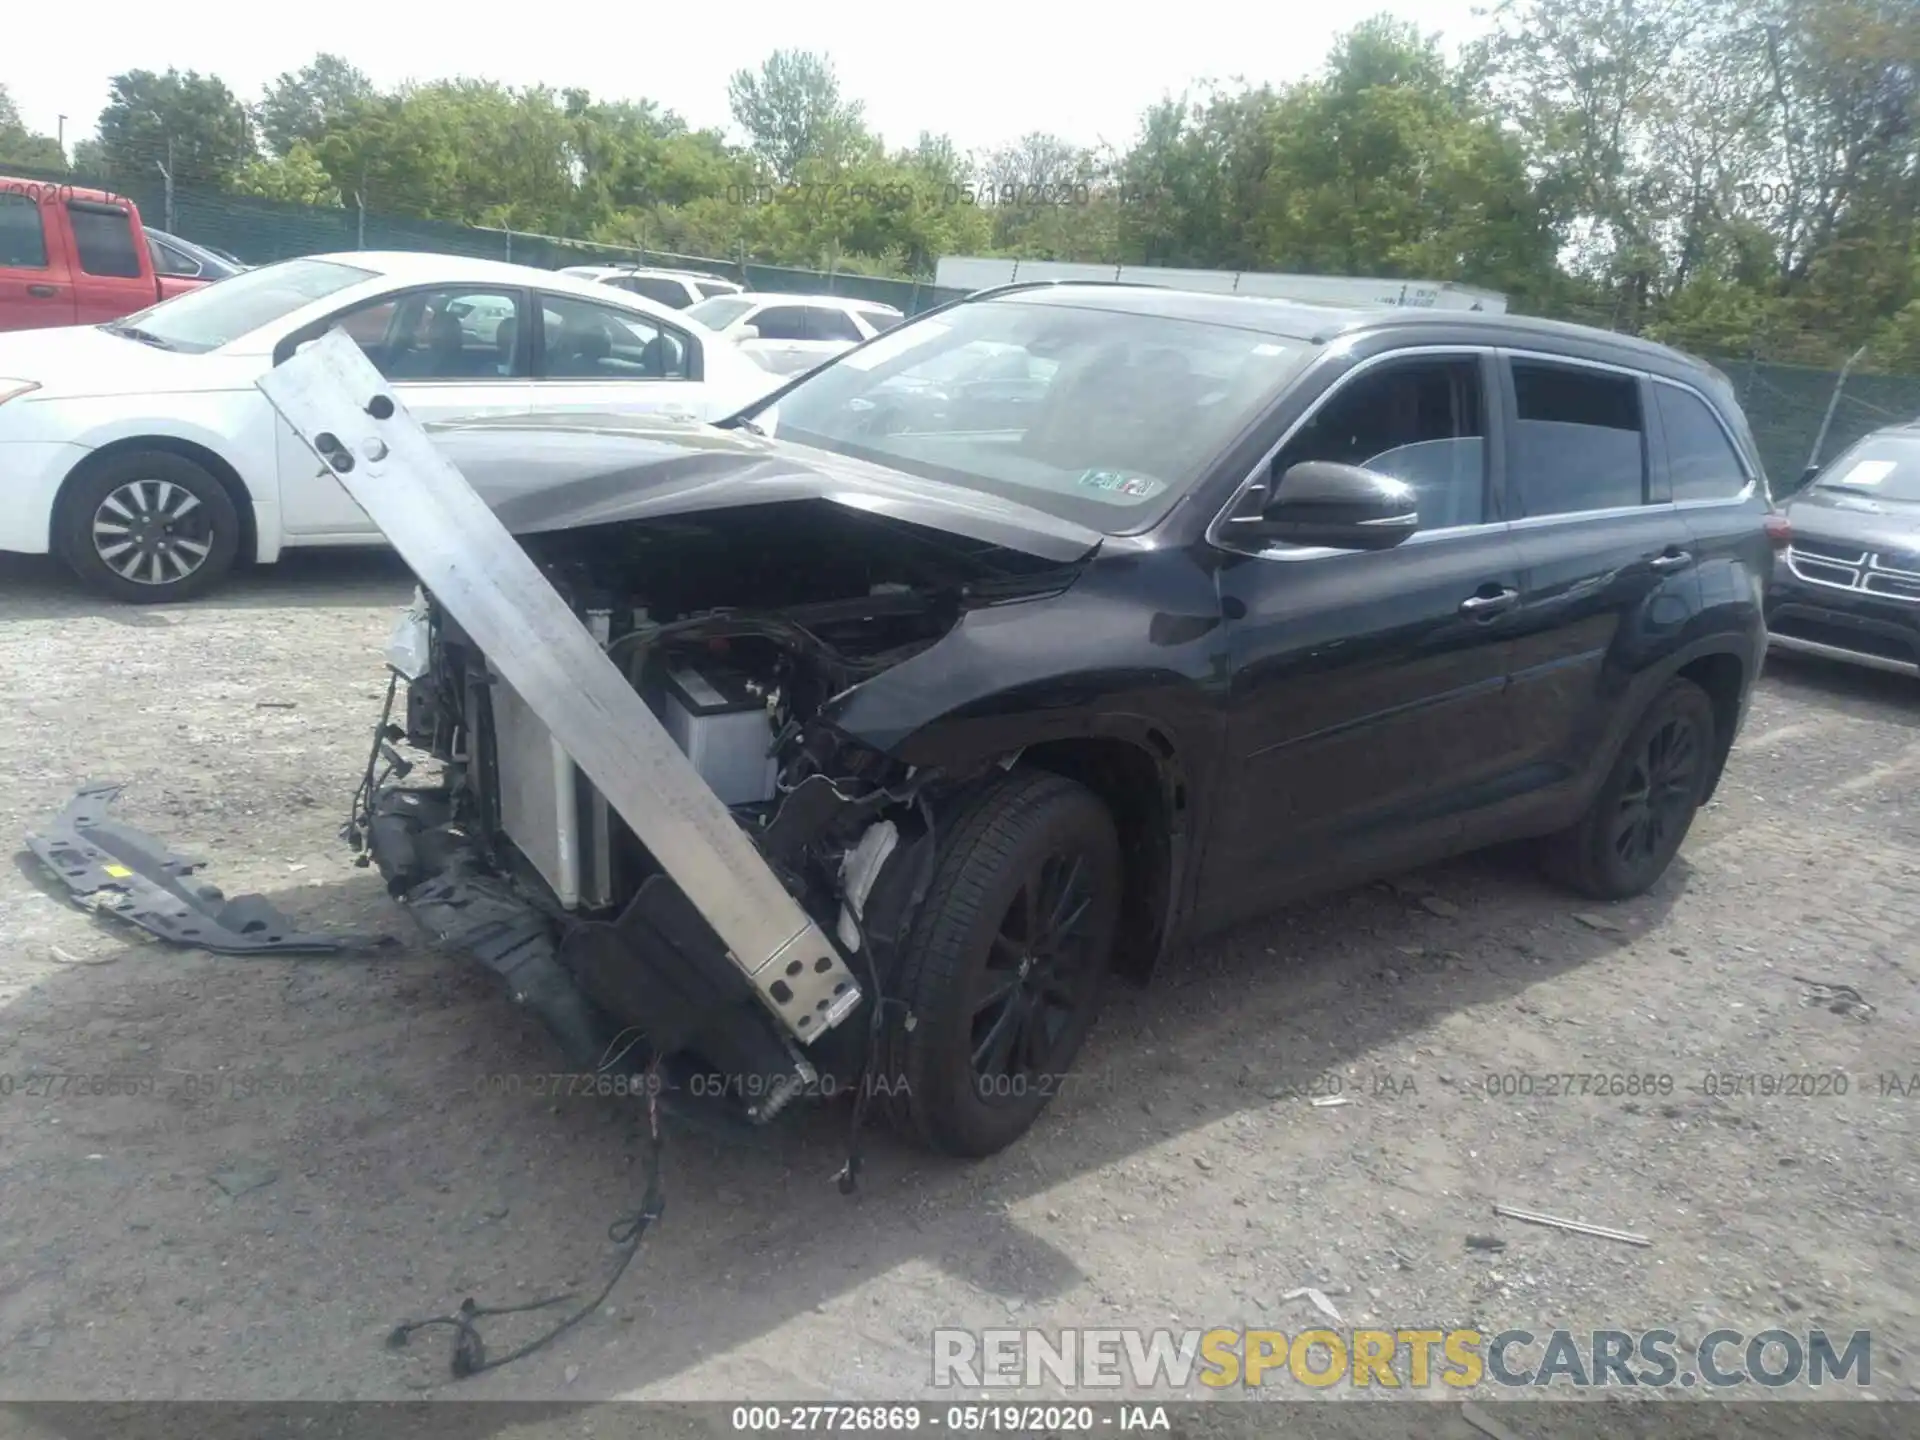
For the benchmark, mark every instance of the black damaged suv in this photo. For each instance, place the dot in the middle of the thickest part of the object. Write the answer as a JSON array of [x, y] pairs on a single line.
[[1067, 622]]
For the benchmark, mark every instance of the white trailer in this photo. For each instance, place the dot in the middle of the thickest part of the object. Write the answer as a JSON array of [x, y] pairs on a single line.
[[969, 273]]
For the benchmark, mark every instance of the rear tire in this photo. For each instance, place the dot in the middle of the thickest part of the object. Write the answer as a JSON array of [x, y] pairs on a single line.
[[1006, 965], [1635, 826], [148, 527]]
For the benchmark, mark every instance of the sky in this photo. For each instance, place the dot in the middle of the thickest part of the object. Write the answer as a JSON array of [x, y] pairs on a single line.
[[984, 71]]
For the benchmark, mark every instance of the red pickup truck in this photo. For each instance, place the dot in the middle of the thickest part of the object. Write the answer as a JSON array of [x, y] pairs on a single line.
[[70, 256]]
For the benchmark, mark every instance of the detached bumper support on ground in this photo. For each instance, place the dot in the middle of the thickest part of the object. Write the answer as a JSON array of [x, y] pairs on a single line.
[[126, 872]]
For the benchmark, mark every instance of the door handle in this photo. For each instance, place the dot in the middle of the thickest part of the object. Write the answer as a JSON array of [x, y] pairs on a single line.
[[42, 292], [1485, 607], [1671, 560]]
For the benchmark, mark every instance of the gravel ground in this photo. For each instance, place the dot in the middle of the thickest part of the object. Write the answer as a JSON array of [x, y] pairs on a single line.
[[348, 1164]]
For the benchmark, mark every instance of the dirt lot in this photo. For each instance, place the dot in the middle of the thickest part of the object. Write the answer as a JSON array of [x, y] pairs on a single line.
[[1187, 1182]]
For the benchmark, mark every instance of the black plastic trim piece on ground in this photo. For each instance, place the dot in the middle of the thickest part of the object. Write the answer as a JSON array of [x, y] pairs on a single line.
[[125, 872]]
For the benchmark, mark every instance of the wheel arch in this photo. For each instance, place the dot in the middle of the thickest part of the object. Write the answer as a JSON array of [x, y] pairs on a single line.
[[1137, 768], [208, 459], [1723, 675]]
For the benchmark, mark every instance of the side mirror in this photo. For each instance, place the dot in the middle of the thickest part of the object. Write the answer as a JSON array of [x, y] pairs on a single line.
[[1340, 507], [748, 332], [1806, 476]]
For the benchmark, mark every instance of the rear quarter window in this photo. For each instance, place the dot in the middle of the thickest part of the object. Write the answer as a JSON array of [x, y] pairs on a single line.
[[1701, 461]]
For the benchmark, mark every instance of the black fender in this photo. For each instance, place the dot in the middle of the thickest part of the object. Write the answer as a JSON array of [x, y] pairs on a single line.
[[1725, 662]]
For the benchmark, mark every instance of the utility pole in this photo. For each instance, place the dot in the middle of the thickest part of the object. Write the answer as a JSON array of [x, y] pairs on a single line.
[[60, 138]]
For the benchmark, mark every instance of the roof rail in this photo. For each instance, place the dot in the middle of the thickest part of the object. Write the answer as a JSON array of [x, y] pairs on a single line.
[[1017, 287]]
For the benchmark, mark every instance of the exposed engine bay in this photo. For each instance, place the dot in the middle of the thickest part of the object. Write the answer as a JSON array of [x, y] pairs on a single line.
[[739, 628]]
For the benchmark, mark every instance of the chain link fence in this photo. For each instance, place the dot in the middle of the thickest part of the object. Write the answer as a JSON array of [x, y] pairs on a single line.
[[1803, 415]]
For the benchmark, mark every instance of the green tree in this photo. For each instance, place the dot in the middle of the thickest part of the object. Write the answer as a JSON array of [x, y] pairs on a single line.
[[297, 177], [1583, 81], [1194, 187], [89, 157], [184, 120], [302, 105], [23, 147], [1390, 165], [793, 113]]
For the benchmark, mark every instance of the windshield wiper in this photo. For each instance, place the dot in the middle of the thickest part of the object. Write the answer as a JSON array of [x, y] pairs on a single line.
[[740, 422], [1876, 491], [134, 332]]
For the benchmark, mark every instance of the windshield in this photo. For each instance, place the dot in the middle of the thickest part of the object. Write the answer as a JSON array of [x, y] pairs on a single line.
[[1887, 466], [1094, 416], [210, 317], [720, 312]]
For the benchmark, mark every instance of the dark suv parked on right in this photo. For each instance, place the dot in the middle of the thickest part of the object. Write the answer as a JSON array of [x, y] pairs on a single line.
[[1848, 588]]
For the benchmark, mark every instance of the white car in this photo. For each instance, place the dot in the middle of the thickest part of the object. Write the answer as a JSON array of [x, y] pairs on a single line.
[[141, 452], [676, 288], [790, 333]]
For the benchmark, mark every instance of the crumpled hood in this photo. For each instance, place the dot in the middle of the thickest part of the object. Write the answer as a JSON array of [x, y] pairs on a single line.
[[568, 472], [78, 360]]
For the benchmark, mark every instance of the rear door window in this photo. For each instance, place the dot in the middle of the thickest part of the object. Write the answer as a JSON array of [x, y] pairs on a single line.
[[103, 237], [1580, 441]]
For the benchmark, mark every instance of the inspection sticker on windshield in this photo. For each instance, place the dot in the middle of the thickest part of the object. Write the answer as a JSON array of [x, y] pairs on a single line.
[[1122, 486], [1867, 472]]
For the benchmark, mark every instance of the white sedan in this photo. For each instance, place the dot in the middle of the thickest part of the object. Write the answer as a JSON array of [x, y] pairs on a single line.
[[790, 333], [141, 452]]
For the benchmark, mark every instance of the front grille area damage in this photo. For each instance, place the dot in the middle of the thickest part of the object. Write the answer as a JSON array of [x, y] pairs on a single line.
[[642, 817]]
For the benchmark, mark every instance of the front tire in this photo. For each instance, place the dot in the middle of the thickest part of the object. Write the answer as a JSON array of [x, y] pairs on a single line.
[[148, 527], [1006, 965], [1633, 829]]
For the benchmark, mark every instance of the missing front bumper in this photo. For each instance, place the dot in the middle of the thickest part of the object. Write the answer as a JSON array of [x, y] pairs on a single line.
[[657, 969], [341, 407]]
